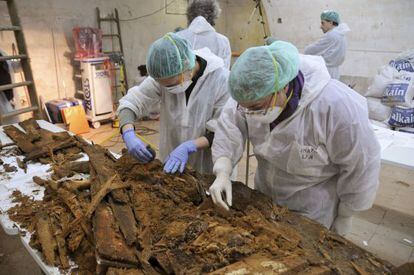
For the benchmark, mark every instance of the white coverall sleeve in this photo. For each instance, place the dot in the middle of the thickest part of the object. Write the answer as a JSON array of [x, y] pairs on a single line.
[[320, 46], [230, 135], [221, 98], [140, 98], [354, 148], [227, 54]]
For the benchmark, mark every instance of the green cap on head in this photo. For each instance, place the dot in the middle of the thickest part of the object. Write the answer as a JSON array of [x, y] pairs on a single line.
[[330, 15], [169, 56], [261, 71]]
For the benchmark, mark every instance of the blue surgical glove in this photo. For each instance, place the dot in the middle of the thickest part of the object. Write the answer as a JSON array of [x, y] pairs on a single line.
[[179, 157], [136, 147]]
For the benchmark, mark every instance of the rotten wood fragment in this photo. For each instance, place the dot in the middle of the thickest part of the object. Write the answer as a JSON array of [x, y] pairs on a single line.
[[22, 165], [6, 145], [123, 271], [31, 128], [359, 269], [110, 185], [109, 242], [9, 168], [71, 168], [45, 150], [126, 221], [60, 242], [21, 139], [131, 215], [40, 181], [46, 238], [107, 187], [73, 204], [77, 185]]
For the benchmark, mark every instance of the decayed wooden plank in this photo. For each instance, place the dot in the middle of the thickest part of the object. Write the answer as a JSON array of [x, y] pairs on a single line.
[[60, 242], [106, 188], [70, 200], [74, 206], [46, 149], [46, 238], [31, 128], [70, 168], [126, 220], [75, 185], [104, 170], [109, 242], [20, 138]]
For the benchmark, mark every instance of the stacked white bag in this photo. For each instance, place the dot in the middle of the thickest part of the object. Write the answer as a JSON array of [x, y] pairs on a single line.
[[391, 95]]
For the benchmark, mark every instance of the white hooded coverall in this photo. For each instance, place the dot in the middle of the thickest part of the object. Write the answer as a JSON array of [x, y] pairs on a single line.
[[324, 153], [201, 34], [179, 121], [332, 47]]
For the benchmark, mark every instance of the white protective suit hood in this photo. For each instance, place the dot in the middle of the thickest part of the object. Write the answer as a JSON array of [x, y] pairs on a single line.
[[201, 34], [181, 121], [200, 25], [342, 28], [325, 152]]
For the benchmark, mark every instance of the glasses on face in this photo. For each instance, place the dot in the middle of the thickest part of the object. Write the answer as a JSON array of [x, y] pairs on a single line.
[[181, 81], [259, 109]]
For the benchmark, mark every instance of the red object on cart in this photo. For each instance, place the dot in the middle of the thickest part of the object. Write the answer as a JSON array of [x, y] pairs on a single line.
[[88, 42]]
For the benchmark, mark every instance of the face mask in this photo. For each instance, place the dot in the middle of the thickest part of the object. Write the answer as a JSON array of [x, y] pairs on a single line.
[[180, 88], [269, 117], [271, 114]]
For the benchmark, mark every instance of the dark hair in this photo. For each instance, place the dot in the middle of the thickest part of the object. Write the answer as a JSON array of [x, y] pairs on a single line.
[[334, 23], [209, 9], [143, 70]]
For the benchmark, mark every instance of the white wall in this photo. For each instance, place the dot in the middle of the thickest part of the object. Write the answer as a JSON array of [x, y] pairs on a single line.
[[380, 29], [48, 24], [242, 34]]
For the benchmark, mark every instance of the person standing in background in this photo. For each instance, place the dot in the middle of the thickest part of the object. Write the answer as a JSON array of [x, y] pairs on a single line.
[[332, 46], [201, 16]]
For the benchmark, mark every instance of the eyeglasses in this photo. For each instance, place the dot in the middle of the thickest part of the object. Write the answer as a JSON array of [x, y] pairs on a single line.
[[182, 77], [260, 110], [263, 110]]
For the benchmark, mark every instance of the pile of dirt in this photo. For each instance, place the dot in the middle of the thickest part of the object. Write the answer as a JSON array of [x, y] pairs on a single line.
[[131, 218]]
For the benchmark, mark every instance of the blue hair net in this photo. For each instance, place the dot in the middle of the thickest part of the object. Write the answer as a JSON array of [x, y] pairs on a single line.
[[261, 71], [330, 15], [169, 56]]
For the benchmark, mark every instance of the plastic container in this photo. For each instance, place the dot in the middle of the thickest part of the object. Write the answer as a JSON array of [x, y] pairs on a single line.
[[88, 42]]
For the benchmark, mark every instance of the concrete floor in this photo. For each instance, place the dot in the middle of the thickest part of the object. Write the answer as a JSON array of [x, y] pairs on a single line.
[[386, 230]]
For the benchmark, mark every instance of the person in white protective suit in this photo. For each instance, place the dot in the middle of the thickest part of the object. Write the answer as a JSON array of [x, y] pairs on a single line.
[[192, 90], [316, 150], [201, 16], [332, 46]]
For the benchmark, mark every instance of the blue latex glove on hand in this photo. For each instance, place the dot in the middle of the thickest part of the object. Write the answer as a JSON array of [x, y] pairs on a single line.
[[136, 147], [178, 158]]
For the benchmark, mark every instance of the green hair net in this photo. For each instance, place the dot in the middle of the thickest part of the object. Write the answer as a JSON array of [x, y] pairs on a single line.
[[330, 15], [169, 56], [261, 71]]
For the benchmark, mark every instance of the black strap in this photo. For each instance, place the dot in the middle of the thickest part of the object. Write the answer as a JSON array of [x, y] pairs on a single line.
[[203, 64]]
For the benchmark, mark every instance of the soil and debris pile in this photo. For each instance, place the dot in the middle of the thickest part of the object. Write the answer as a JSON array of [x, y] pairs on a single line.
[[130, 218]]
